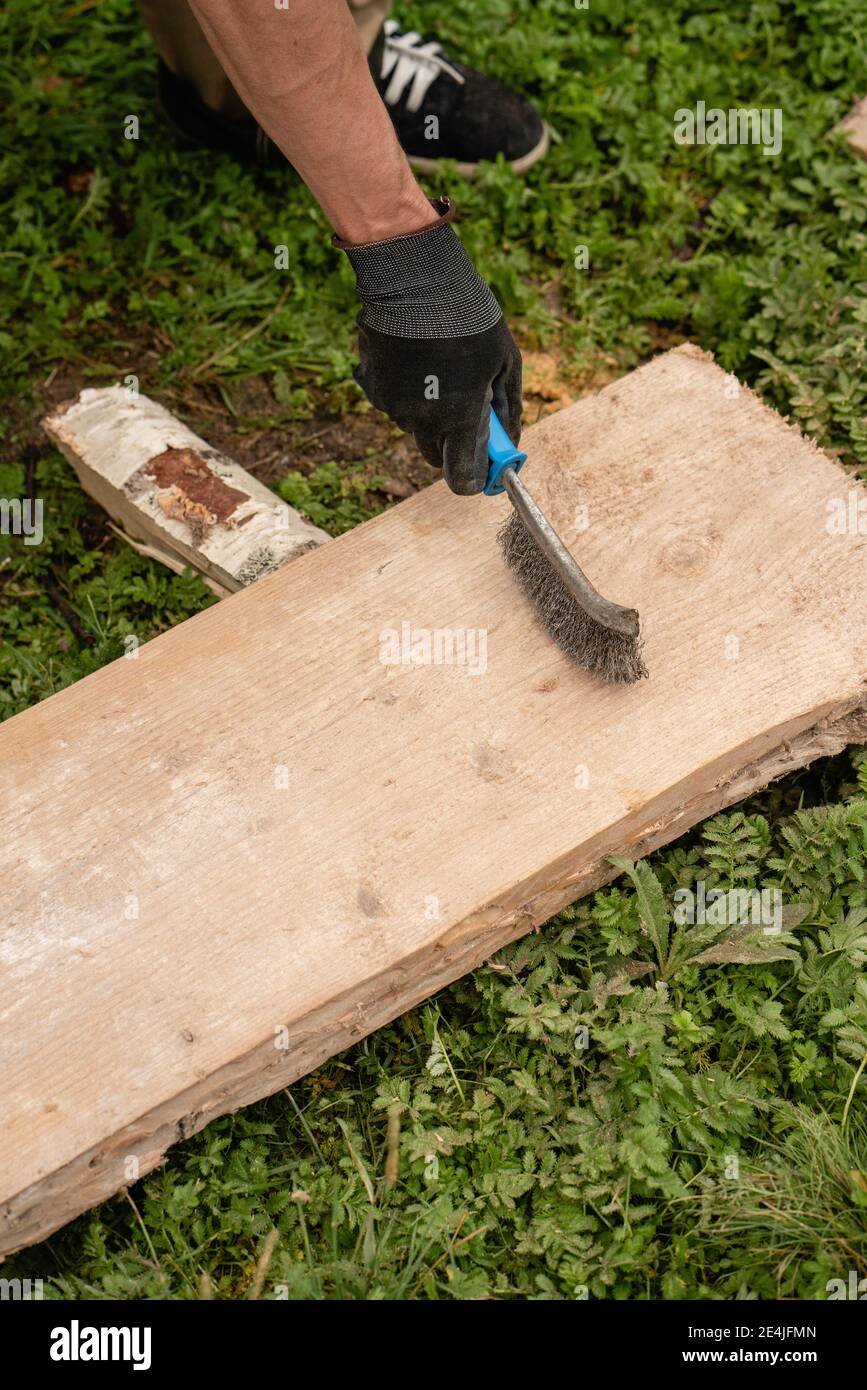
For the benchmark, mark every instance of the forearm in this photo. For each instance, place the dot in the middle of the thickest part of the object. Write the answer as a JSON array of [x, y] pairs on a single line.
[[304, 76]]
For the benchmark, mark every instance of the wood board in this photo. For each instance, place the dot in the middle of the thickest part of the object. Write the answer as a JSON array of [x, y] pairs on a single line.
[[229, 857], [855, 127], [174, 497]]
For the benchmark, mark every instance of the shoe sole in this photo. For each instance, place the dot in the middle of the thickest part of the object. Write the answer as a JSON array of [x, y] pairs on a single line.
[[469, 171]]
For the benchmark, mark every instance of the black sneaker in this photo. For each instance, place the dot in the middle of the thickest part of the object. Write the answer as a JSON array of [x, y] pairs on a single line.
[[444, 110], [439, 108]]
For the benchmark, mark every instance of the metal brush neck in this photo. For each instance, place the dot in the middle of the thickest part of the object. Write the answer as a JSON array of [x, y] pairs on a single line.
[[602, 610]]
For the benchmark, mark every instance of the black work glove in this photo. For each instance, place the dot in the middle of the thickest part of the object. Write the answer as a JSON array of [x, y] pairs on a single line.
[[435, 349]]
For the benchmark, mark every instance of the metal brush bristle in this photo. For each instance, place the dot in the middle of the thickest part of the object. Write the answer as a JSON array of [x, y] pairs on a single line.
[[613, 656]]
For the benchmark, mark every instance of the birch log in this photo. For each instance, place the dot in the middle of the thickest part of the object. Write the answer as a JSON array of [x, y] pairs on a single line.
[[172, 496]]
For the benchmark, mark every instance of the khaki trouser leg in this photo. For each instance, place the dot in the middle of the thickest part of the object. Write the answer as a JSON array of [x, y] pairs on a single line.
[[184, 49], [368, 16]]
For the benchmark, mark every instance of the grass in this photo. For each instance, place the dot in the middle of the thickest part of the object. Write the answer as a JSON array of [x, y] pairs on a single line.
[[710, 1140]]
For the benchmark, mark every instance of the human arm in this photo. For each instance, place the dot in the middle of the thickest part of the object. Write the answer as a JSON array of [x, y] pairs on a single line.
[[435, 349]]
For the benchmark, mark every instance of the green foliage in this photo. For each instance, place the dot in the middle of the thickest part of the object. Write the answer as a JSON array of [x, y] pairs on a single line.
[[796, 1218], [331, 497], [824, 853], [738, 848], [76, 600]]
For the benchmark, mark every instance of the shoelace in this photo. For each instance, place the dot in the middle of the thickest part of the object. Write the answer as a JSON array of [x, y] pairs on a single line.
[[407, 59]]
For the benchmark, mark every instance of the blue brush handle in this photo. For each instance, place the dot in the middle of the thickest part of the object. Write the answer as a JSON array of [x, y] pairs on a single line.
[[502, 454]]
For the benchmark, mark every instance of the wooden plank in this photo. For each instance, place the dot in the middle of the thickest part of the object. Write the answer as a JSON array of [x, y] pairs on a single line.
[[174, 497], [855, 127], [258, 840]]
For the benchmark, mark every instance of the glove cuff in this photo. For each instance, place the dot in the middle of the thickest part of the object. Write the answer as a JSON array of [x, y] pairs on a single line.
[[422, 284]]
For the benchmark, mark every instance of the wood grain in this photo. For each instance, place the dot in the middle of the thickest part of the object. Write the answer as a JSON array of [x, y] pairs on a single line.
[[227, 858]]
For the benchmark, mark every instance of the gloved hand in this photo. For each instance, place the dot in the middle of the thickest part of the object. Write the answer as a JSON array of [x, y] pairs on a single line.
[[434, 347]]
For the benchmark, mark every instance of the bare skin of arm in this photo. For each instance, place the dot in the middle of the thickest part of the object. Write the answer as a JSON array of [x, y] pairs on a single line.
[[303, 74]]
